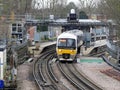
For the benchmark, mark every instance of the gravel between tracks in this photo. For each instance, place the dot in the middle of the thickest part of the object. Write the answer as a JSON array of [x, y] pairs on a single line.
[[92, 71], [25, 79]]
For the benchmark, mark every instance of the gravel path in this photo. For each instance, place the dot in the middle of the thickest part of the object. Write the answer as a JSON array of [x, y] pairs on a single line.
[[25, 79]]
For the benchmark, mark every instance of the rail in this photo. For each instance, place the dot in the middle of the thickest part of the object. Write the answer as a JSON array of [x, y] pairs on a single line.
[[40, 71], [79, 81], [108, 62]]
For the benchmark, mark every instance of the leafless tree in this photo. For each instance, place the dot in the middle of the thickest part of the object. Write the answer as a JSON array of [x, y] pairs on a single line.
[[19, 7], [87, 5], [111, 8], [47, 7]]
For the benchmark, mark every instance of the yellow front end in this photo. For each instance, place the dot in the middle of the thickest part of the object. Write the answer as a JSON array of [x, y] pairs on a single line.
[[66, 54]]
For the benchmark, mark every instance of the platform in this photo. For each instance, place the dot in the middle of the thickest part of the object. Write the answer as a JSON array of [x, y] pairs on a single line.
[[36, 51], [88, 50], [45, 44]]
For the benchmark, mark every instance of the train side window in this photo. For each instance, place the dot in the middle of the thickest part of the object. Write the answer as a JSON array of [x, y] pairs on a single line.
[[73, 44]]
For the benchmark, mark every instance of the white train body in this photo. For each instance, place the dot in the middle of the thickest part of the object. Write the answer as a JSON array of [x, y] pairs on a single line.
[[67, 45]]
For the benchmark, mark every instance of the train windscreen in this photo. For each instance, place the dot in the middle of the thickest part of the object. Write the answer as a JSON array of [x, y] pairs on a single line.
[[66, 43]]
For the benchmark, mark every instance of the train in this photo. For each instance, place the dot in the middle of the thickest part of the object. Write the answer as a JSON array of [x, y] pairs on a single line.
[[68, 45]]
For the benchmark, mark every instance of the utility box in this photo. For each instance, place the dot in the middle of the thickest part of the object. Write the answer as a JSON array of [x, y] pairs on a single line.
[[2, 60]]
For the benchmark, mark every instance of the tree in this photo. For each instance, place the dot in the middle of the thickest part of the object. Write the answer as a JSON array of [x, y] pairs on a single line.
[[70, 6], [17, 6], [44, 8], [111, 8], [87, 5], [82, 15]]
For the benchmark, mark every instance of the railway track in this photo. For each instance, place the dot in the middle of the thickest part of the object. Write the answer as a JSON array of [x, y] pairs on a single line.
[[47, 80], [43, 72], [98, 54], [76, 78], [40, 69], [115, 72]]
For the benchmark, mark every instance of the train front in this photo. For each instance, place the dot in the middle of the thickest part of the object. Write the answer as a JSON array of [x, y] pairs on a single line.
[[66, 49]]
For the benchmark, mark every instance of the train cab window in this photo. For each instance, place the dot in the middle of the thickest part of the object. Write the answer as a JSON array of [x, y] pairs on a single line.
[[71, 43], [62, 42], [68, 43]]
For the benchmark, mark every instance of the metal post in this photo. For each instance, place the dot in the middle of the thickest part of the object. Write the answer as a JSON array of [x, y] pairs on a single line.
[[118, 55]]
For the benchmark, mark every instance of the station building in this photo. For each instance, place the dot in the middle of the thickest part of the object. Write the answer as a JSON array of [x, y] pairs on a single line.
[[18, 32]]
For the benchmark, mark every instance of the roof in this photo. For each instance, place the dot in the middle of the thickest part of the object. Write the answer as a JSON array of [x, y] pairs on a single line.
[[64, 22], [75, 32], [89, 20], [81, 22], [100, 43], [71, 34], [66, 35]]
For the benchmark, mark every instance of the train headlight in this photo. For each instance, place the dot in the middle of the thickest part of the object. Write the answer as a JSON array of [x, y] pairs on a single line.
[[72, 50], [60, 50]]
